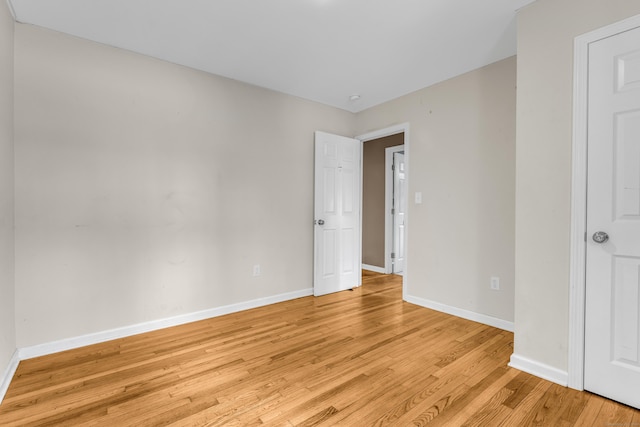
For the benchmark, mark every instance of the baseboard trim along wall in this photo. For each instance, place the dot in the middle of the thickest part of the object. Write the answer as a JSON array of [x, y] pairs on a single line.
[[126, 331], [541, 370], [8, 374], [459, 312], [518, 362], [373, 268]]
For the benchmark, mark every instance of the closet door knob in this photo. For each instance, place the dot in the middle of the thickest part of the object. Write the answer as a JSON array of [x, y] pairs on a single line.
[[600, 237]]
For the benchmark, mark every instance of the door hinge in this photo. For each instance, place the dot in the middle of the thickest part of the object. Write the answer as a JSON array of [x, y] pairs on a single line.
[[393, 167], [393, 255], [393, 211]]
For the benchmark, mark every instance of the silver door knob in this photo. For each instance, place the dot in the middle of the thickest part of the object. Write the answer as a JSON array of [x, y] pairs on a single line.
[[600, 237], [321, 222]]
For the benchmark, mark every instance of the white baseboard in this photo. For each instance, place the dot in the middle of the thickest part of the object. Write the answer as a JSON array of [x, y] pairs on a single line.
[[7, 376], [541, 370], [98, 337], [373, 268], [459, 312]]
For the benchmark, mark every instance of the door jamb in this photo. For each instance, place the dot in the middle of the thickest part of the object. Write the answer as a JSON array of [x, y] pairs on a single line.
[[381, 133], [577, 274]]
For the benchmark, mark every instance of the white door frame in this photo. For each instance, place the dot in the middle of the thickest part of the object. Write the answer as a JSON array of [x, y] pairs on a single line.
[[388, 205], [381, 133], [577, 277]]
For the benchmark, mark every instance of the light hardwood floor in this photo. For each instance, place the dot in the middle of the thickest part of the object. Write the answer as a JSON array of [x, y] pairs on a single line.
[[355, 358]]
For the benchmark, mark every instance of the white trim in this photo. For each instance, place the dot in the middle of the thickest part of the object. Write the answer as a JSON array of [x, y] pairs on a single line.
[[98, 337], [6, 378], [578, 218], [361, 166], [579, 196], [373, 268], [459, 312], [538, 369], [388, 205], [381, 133]]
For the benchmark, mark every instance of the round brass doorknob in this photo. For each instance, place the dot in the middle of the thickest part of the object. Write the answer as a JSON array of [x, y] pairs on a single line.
[[600, 237]]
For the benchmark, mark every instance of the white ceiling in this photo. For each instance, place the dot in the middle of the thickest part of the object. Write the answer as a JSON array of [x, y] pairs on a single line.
[[322, 50]]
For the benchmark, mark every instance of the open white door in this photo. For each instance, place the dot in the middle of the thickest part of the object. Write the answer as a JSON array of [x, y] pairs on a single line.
[[337, 214], [399, 207], [612, 322]]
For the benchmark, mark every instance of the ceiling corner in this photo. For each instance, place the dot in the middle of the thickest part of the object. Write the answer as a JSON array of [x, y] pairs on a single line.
[[12, 10]]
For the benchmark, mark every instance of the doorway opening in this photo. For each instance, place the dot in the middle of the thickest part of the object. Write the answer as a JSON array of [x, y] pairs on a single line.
[[378, 210], [384, 204], [338, 201]]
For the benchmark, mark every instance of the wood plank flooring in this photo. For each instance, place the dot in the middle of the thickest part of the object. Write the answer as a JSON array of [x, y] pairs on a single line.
[[355, 358]]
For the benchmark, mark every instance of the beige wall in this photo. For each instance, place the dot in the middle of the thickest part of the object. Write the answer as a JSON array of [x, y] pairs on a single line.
[[373, 198], [546, 31], [7, 300], [462, 159], [146, 190]]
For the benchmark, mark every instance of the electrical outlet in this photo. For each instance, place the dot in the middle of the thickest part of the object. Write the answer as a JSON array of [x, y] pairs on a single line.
[[495, 283], [256, 270]]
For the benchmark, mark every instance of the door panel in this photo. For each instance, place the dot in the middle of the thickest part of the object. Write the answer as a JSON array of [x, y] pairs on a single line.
[[627, 188], [628, 71], [348, 192], [348, 261], [612, 337], [626, 302], [328, 256], [337, 214], [330, 192]]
